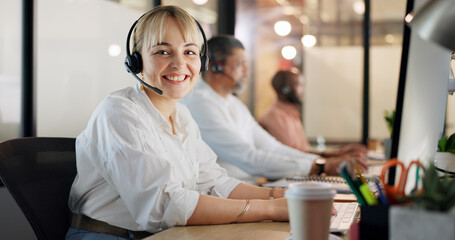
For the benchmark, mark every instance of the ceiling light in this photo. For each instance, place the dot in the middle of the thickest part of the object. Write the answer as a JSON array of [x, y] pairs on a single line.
[[308, 40], [282, 28], [200, 2], [359, 7], [288, 52]]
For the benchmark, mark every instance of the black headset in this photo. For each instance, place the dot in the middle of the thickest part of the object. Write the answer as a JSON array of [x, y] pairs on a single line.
[[290, 95], [286, 89], [216, 66], [133, 62]]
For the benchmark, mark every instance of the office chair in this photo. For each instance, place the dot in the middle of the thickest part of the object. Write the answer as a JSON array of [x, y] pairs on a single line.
[[38, 172]]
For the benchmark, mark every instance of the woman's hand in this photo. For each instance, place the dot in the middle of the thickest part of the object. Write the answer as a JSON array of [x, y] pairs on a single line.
[[277, 192], [332, 164]]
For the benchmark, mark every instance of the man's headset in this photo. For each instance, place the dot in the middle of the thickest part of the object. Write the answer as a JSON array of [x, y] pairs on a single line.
[[216, 67], [133, 62]]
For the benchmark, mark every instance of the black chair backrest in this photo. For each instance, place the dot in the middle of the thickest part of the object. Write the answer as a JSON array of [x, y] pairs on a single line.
[[38, 172]]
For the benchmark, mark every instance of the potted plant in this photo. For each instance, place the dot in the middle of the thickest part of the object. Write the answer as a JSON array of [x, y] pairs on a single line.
[[389, 117], [431, 215], [444, 159]]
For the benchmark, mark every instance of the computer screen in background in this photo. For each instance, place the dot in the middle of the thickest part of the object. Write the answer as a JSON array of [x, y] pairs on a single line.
[[421, 99]]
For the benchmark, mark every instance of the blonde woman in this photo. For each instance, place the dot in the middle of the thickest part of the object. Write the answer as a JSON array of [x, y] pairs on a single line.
[[142, 164]]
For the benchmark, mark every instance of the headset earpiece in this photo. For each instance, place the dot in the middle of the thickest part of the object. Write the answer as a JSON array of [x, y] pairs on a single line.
[[204, 52], [134, 62], [216, 67], [204, 63], [285, 89]]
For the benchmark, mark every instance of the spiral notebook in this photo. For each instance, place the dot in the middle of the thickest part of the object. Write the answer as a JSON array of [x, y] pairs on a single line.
[[338, 183]]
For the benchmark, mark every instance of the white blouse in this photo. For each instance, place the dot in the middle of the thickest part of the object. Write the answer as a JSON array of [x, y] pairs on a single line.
[[134, 173]]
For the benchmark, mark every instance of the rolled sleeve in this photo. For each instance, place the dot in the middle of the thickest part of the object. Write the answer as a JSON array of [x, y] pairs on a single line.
[[180, 208]]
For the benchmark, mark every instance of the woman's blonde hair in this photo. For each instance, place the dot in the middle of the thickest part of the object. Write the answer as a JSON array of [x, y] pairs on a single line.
[[151, 27]]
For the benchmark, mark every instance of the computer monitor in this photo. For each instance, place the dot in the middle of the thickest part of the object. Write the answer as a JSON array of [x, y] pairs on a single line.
[[421, 99]]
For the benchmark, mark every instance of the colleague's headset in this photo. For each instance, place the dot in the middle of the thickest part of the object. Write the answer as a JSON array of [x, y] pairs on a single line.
[[216, 67], [290, 95], [285, 89], [133, 62]]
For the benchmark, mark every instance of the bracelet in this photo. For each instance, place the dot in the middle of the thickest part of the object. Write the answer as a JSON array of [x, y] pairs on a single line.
[[247, 206]]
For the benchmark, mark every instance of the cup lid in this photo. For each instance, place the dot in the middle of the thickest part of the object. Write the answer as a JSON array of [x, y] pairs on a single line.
[[310, 190]]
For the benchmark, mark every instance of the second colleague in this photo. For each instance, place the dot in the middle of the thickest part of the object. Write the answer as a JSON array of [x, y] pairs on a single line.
[[283, 119]]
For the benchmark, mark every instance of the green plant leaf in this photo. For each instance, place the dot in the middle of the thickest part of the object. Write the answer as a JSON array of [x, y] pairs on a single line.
[[450, 145], [442, 143], [438, 193], [389, 119]]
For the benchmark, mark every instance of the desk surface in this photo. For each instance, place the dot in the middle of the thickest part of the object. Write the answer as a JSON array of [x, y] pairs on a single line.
[[247, 231]]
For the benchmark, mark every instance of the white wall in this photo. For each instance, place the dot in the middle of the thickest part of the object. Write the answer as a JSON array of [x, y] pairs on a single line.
[[74, 70], [10, 68], [333, 94]]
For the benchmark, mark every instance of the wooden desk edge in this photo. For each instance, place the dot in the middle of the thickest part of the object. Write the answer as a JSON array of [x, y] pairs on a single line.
[[266, 230]]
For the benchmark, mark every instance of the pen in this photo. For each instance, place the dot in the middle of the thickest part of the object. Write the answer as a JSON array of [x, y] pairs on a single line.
[[359, 173], [381, 196], [344, 173], [367, 194], [362, 184]]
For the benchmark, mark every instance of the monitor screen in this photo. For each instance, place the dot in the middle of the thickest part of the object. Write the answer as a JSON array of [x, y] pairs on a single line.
[[422, 97]]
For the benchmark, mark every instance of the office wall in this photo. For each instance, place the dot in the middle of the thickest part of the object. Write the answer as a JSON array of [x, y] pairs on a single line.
[[74, 69], [10, 68], [13, 224], [333, 93], [74, 72], [333, 96]]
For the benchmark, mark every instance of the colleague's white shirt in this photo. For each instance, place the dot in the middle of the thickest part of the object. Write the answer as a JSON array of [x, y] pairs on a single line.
[[134, 173], [243, 147]]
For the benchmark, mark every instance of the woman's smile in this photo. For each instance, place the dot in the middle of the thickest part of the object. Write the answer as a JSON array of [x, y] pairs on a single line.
[[176, 78]]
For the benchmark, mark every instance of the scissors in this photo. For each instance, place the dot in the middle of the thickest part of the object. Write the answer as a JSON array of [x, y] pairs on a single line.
[[397, 190]]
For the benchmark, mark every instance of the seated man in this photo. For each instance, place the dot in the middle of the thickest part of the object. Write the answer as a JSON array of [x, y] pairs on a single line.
[[283, 119], [244, 148]]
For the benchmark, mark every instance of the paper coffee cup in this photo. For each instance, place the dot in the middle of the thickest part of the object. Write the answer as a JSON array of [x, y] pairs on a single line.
[[310, 209]]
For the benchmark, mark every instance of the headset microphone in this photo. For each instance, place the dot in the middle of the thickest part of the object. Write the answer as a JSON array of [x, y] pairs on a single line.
[[157, 90], [238, 84], [133, 62]]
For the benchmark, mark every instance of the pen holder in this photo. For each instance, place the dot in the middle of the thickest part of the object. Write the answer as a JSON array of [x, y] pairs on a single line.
[[374, 222]]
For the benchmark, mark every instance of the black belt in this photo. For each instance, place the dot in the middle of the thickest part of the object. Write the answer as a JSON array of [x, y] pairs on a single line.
[[89, 224]]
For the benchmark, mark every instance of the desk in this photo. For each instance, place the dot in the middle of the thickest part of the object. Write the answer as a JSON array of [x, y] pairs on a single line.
[[246, 231]]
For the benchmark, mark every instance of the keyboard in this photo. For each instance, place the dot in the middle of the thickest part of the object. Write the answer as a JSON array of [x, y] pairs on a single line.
[[345, 216]]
